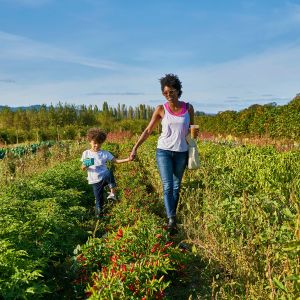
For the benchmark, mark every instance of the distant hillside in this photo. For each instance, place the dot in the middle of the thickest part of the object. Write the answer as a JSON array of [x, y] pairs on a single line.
[[31, 107]]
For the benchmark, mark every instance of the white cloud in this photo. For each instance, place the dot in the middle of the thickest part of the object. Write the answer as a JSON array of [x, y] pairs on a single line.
[[257, 79], [15, 47], [260, 78], [276, 71]]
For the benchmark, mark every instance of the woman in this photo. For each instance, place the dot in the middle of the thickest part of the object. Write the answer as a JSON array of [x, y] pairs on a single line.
[[172, 149]]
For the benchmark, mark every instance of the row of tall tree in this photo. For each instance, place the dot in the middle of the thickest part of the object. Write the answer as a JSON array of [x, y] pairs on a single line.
[[67, 114], [67, 121]]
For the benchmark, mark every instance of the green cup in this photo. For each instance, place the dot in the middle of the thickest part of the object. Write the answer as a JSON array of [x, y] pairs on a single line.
[[89, 162]]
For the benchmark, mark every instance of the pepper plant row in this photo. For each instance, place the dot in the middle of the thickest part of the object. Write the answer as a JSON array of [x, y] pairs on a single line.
[[135, 257], [241, 212]]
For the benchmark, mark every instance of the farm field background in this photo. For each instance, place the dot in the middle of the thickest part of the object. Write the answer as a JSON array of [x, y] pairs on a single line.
[[229, 67], [238, 233]]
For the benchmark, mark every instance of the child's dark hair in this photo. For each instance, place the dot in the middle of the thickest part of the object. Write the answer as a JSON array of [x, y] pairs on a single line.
[[172, 81], [95, 134]]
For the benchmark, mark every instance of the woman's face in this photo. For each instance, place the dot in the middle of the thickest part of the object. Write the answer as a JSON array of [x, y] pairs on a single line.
[[171, 94]]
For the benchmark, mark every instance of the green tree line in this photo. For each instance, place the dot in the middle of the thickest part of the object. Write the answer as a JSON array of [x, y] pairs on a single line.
[[68, 121], [267, 120]]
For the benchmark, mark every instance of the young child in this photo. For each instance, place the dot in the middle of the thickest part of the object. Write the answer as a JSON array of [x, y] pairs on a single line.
[[94, 162]]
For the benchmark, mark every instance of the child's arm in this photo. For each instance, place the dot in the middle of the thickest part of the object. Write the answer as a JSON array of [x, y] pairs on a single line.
[[120, 161], [83, 167]]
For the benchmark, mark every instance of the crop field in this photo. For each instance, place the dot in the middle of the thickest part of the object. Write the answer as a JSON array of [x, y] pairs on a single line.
[[239, 226]]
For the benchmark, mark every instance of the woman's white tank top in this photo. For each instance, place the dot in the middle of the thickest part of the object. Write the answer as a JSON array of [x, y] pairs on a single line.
[[174, 130]]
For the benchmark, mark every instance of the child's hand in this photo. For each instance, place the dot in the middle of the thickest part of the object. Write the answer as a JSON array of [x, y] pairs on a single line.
[[88, 162], [83, 167]]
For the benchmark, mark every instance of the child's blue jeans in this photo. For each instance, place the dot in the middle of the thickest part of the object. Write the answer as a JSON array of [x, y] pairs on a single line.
[[171, 166], [98, 189]]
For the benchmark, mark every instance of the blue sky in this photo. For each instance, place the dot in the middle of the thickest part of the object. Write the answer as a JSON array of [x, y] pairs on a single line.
[[228, 54]]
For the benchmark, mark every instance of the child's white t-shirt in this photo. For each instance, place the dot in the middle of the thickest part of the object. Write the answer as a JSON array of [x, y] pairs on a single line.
[[96, 172]]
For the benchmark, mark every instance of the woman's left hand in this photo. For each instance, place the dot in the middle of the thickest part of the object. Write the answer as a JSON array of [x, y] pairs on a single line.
[[196, 132]]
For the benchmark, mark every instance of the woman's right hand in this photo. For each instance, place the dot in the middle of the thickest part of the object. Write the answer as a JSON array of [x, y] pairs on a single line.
[[132, 154]]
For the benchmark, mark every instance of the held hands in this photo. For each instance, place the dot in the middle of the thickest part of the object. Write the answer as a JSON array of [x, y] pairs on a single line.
[[132, 155]]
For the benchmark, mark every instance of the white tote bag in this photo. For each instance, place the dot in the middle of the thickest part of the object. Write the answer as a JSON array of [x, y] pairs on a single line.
[[194, 160]]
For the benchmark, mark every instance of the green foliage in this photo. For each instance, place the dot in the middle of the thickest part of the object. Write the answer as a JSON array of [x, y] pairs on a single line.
[[267, 120], [134, 257], [40, 223], [128, 263], [19, 151], [17, 271], [241, 211], [67, 121]]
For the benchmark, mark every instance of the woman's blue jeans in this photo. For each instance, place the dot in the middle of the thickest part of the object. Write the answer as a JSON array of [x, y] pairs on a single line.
[[171, 166]]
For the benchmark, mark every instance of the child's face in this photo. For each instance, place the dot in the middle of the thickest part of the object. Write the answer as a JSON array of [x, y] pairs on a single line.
[[95, 146]]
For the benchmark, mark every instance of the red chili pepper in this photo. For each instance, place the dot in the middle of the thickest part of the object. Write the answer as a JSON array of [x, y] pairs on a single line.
[[131, 287], [112, 272], [88, 294], [120, 233], [132, 268], [114, 258], [123, 268], [167, 245], [156, 246], [153, 249], [104, 272]]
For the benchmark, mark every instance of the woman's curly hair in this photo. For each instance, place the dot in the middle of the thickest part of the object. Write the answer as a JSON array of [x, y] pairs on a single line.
[[172, 81], [95, 134]]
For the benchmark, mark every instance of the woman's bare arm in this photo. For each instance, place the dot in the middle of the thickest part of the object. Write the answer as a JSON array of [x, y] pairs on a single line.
[[156, 117], [191, 112]]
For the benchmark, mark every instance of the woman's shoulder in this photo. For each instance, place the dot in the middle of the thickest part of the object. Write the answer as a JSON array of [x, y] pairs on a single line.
[[189, 106], [159, 107], [159, 110]]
